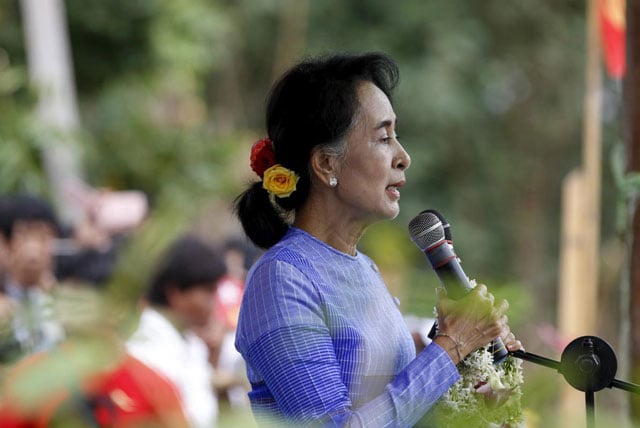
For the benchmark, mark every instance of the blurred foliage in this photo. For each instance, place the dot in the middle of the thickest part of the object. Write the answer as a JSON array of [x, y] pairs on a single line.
[[168, 90], [20, 152], [109, 39], [490, 102]]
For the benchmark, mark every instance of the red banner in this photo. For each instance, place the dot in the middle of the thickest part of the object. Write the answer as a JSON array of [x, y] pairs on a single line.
[[612, 31]]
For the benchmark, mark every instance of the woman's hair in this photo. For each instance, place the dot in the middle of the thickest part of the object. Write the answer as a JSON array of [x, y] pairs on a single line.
[[188, 263], [314, 104]]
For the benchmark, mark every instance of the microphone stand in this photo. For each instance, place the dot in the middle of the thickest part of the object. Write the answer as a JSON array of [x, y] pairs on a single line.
[[588, 364]]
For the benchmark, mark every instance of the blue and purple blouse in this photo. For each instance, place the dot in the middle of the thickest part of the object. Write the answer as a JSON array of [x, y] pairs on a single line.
[[326, 345]]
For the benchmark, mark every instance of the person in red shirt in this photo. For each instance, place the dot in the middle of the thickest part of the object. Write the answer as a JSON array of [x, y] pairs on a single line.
[[89, 380]]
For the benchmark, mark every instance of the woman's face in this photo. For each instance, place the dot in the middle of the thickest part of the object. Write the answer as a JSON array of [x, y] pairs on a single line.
[[372, 172]]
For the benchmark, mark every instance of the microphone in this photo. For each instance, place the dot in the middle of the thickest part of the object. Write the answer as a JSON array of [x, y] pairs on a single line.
[[427, 231], [448, 236]]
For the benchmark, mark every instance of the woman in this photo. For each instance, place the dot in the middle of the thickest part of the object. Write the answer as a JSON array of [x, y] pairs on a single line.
[[324, 341]]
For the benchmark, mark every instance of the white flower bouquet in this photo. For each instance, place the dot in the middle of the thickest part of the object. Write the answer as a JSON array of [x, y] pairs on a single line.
[[487, 395]]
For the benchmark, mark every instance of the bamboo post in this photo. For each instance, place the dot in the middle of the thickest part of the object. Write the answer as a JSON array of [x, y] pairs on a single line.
[[51, 72], [572, 256], [592, 160], [574, 310], [579, 255]]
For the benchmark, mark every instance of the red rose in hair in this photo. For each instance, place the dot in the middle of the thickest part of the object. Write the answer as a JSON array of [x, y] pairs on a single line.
[[262, 156]]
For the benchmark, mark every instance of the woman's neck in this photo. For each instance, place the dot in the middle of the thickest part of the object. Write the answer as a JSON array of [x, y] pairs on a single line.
[[330, 227]]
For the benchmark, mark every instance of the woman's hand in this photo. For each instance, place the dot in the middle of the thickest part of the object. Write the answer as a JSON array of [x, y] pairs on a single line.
[[508, 338], [471, 322]]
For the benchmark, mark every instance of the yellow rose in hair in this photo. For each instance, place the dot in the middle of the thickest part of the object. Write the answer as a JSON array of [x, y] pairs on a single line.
[[280, 181]]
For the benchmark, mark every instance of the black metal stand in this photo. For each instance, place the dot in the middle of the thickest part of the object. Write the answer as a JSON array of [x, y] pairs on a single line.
[[588, 364]]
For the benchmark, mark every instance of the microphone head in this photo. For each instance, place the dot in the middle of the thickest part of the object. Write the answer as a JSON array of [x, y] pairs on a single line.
[[426, 230], [445, 224]]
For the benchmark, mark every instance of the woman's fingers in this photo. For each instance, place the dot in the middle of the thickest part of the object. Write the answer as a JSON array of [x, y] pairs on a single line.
[[509, 339], [502, 307], [480, 311]]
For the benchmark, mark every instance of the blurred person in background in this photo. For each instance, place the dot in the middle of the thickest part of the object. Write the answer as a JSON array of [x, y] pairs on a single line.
[[8, 345], [228, 294], [179, 300], [89, 379], [89, 252], [29, 228], [230, 380]]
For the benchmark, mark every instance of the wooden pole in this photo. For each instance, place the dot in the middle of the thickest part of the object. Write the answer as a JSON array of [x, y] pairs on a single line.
[[51, 72], [592, 166], [574, 309], [572, 256], [579, 254], [577, 315]]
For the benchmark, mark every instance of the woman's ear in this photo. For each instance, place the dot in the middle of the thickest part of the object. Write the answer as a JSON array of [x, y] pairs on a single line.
[[324, 166]]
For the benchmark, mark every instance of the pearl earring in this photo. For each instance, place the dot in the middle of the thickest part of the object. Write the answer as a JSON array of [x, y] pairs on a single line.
[[333, 182]]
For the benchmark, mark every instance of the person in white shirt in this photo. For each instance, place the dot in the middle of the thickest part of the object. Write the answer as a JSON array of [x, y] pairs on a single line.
[[179, 299]]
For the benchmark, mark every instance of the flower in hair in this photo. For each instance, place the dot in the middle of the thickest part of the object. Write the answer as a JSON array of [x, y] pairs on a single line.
[[280, 181], [262, 156]]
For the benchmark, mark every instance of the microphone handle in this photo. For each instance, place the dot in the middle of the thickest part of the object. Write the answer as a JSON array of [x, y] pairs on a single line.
[[447, 267], [498, 350]]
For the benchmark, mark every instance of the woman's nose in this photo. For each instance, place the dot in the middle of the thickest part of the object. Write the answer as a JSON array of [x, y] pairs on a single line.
[[402, 160]]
